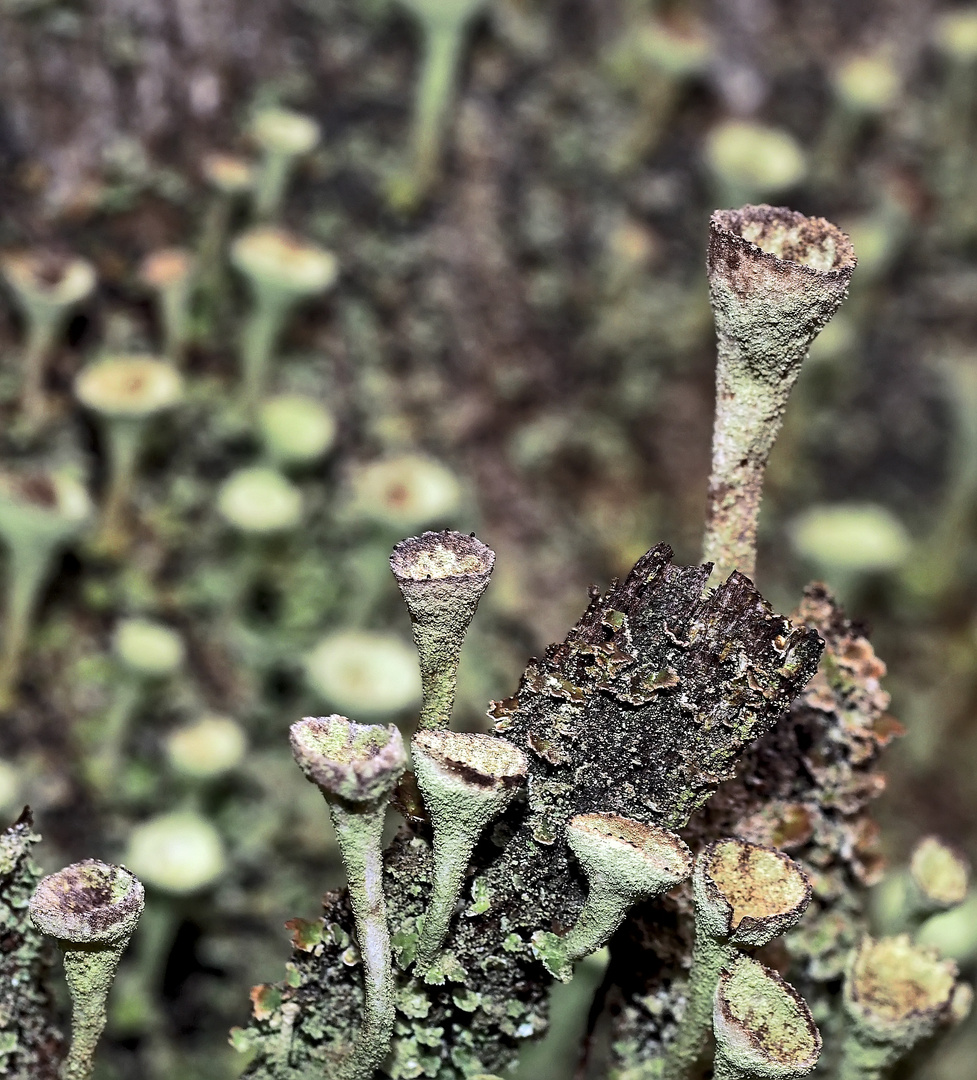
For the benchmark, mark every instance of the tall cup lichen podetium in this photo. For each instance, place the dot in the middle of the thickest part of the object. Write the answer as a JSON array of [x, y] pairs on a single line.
[[442, 576], [281, 270], [125, 392], [39, 513], [896, 994], [357, 767], [775, 279], [444, 28], [284, 137], [763, 1027], [467, 781], [91, 908], [744, 894], [625, 861], [47, 287]]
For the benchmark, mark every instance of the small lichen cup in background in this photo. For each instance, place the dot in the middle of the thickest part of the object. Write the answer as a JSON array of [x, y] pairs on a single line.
[[295, 430], [749, 161], [91, 909], [178, 855], [442, 576], [625, 861], [369, 672], [146, 652], [896, 994], [744, 894], [39, 514], [47, 288], [170, 273], [939, 877], [467, 780], [763, 1027], [230, 179], [284, 137], [357, 767], [281, 270], [125, 392], [775, 278]]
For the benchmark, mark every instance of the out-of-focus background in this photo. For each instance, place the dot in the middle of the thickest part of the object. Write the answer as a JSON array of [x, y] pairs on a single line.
[[507, 333]]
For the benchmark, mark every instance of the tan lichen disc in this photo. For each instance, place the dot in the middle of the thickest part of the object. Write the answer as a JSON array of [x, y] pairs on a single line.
[[940, 873], [49, 279], [129, 386], [279, 260], [356, 762], [166, 267], [636, 858], [88, 902], [763, 1027], [226, 172], [441, 556], [747, 893], [896, 991], [478, 763]]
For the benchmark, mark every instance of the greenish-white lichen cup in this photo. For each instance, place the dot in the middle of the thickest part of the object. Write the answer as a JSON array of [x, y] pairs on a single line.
[[467, 780], [442, 576], [91, 909], [357, 767]]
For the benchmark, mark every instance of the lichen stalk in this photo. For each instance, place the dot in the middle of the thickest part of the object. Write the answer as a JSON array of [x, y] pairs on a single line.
[[28, 564], [258, 340], [435, 90], [123, 438], [775, 279], [89, 977], [41, 337], [360, 835], [686, 1050]]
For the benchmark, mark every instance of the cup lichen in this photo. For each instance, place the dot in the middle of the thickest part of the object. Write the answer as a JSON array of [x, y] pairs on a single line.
[[744, 895], [763, 1027], [442, 576], [91, 909], [775, 278], [357, 767], [625, 861]]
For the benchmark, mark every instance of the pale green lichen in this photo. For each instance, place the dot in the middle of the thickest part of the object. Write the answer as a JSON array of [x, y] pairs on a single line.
[[775, 279], [442, 576], [763, 1028], [744, 894], [467, 780], [896, 994], [625, 861], [357, 767], [91, 909]]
